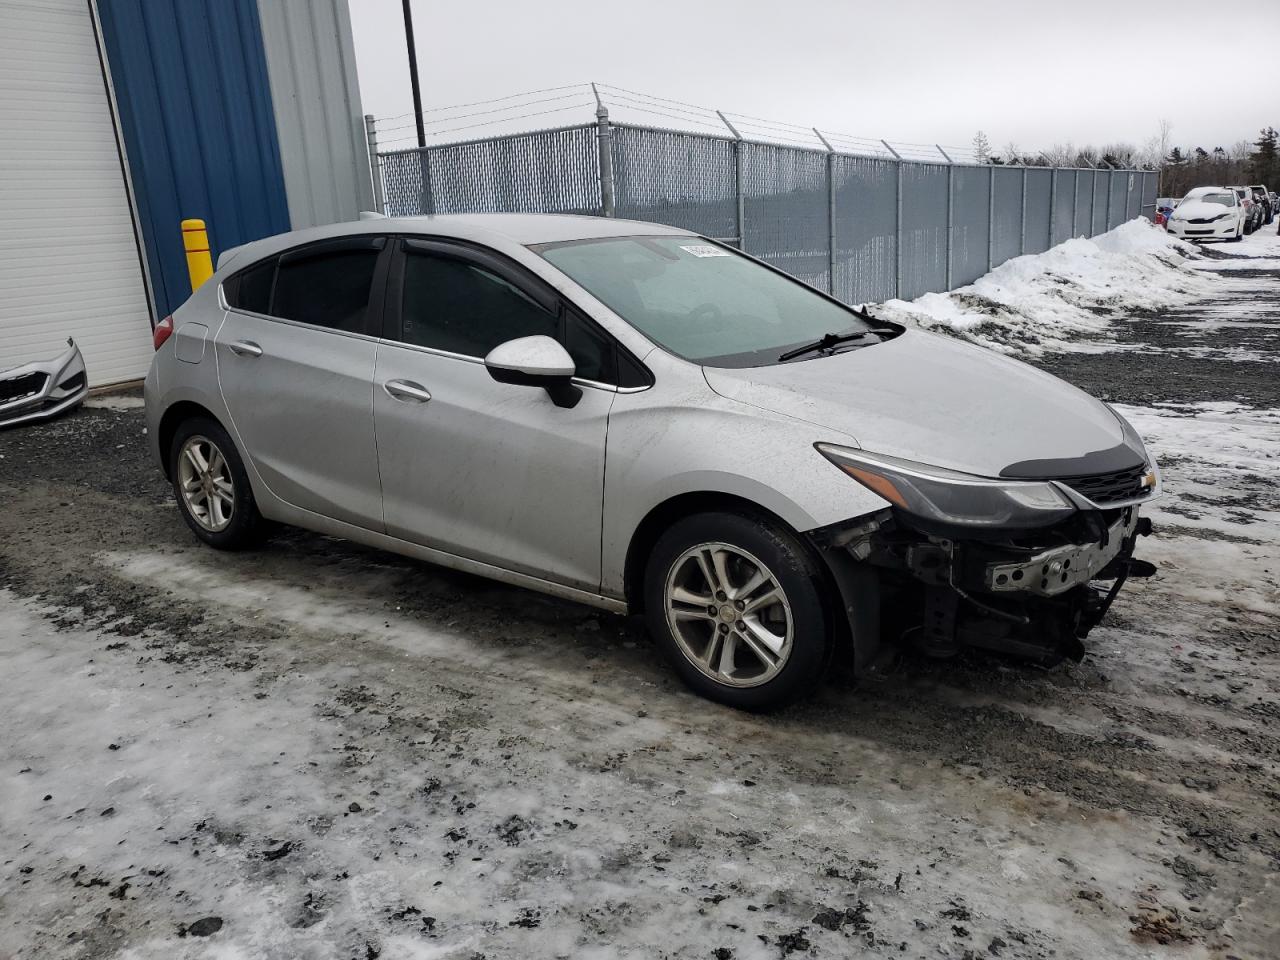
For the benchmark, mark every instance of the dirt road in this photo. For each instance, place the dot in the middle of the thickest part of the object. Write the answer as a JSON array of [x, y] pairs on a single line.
[[322, 751]]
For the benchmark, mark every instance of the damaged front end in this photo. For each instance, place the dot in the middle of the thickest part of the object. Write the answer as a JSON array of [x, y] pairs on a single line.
[[37, 391], [1018, 565]]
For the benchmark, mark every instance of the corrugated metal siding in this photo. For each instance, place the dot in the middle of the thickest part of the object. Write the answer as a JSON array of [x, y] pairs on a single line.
[[311, 63], [195, 111], [68, 257]]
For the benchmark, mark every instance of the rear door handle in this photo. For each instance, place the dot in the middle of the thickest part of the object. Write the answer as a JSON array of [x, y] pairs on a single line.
[[407, 391], [245, 348]]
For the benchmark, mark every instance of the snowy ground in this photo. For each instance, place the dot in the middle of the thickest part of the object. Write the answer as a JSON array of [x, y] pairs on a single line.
[[321, 751]]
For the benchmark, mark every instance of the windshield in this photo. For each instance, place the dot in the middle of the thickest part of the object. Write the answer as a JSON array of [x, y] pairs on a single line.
[[1226, 199], [701, 301]]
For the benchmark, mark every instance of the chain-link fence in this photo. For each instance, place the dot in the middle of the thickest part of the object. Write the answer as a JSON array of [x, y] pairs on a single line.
[[863, 228]]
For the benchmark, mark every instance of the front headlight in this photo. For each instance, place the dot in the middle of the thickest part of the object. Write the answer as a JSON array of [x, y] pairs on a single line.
[[948, 496]]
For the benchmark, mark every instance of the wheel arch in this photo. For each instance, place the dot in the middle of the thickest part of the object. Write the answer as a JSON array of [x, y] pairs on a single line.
[[675, 508], [174, 416]]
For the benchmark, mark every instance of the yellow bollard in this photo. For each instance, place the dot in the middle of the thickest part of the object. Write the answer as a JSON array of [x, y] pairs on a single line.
[[195, 240]]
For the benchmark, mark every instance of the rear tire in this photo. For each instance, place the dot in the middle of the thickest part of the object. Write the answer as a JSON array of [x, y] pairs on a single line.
[[736, 603], [212, 487]]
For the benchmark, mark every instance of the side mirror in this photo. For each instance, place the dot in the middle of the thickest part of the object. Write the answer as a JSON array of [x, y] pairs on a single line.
[[535, 362]]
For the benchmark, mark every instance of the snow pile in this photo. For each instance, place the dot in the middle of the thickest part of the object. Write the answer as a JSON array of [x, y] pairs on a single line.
[[1056, 299]]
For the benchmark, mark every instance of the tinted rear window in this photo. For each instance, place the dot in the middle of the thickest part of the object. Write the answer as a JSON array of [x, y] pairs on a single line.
[[328, 290]]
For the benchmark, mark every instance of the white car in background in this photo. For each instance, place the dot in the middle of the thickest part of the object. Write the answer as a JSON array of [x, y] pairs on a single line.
[[1209, 213]]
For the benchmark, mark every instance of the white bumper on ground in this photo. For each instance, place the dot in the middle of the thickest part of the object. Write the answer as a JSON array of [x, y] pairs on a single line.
[[37, 391]]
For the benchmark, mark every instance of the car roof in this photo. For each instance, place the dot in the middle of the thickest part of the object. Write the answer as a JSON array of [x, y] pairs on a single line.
[[495, 229]]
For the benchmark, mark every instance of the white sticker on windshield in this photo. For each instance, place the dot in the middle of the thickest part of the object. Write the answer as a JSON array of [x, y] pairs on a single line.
[[704, 250]]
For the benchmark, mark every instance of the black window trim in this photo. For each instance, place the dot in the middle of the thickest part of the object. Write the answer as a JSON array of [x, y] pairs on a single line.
[[377, 286], [526, 281]]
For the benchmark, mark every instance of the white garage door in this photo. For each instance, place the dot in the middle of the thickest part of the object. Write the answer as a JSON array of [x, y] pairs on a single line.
[[68, 260]]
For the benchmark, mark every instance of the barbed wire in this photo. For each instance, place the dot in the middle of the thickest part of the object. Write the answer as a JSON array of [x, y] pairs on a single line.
[[514, 110]]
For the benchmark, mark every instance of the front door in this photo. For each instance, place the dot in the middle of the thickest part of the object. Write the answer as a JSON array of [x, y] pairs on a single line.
[[295, 365], [489, 471]]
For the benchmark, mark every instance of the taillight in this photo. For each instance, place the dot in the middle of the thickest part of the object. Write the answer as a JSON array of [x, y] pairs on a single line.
[[163, 331]]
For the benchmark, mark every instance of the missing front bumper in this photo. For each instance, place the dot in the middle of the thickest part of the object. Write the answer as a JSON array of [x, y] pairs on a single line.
[[1058, 569], [1034, 598]]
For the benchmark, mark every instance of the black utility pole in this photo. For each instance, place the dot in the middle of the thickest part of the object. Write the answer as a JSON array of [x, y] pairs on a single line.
[[413, 72]]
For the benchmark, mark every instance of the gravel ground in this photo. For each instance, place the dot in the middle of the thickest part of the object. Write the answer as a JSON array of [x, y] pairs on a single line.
[[318, 750]]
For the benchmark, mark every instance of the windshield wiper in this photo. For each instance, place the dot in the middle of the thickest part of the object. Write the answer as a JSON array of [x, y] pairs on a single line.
[[829, 341]]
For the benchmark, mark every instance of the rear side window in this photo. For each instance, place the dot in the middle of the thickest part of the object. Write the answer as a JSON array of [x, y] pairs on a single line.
[[251, 289], [326, 289], [455, 305], [327, 284]]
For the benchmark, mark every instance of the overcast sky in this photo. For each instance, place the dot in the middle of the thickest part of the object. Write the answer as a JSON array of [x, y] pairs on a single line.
[[1027, 71]]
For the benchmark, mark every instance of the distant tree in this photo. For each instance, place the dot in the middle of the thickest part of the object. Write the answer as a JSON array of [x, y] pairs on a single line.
[[1060, 155], [1201, 155], [1175, 157], [1264, 164], [981, 147]]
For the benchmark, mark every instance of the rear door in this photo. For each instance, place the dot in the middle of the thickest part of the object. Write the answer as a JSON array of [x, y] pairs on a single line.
[[295, 365], [479, 469]]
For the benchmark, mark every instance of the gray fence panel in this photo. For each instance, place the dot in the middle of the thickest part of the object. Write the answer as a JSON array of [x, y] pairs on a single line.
[[1064, 206], [1006, 241], [865, 228], [970, 224], [1150, 184], [1099, 216], [1039, 211], [924, 229], [679, 179], [785, 207], [887, 242], [1083, 226], [554, 171], [1118, 191]]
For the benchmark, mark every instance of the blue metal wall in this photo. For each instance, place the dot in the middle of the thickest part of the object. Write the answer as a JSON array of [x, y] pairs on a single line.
[[191, 86]]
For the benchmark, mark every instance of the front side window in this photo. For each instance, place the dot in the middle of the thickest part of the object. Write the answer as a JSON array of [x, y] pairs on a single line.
[[455, 305], [701, 301]]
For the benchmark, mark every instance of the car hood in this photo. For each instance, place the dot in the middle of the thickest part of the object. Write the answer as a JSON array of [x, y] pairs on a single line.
[[935, 400], [1198, 209]]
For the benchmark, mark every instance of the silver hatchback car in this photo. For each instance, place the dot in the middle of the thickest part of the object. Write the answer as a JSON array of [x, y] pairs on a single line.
[[643, 419]]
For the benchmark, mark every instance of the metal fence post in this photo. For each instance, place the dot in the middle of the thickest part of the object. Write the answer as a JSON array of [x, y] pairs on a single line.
[[1075, 198], [375, 168], [1053, 205], [951, 207], [605, 139], [831, 213], [991, 221], [897, 238], [1022, 248], [739, 163], [1107, 225], [1093, 200]]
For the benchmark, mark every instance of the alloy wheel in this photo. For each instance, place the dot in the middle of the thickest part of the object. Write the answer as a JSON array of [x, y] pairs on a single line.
[[729, 614], [204, 477]]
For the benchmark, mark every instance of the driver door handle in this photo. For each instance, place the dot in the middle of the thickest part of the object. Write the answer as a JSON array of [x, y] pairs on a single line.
[[245, 348], [406, 391]]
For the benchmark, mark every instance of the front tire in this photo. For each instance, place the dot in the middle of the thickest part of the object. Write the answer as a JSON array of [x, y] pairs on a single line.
[[736, 603], [212, 486]]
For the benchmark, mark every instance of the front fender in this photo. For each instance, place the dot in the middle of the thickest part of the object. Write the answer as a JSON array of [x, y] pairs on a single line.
[[709, 444]]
